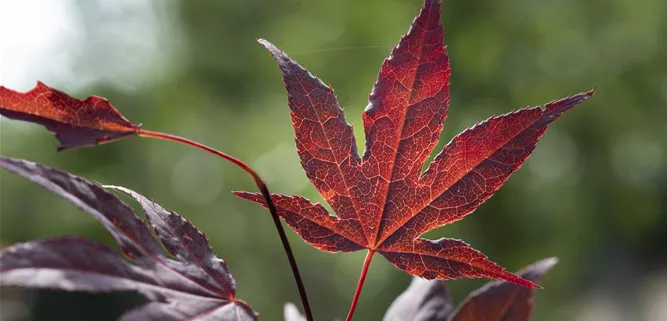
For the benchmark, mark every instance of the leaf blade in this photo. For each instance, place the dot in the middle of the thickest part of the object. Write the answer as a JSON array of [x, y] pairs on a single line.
[[325, 141], [65, 263], [313, 222], [489, 153], [446, 259], [157, 311], [395, 202], [186, 242], [406, 111], [423, 300], [179, 287], [130, 233], [74, 122], [501, 301]]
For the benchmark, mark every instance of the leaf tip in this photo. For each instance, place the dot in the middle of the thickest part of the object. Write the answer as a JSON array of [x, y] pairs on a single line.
[[525, 282], [547, 263], [537, 270], [592, 91], [277, 54], [267, 44]]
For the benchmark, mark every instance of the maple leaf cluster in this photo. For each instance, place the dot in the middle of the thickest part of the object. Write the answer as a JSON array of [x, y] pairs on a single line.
[[382, 199], [196, 285]]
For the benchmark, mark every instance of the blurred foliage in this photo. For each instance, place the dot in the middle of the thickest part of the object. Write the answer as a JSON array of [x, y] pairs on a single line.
[[594, 193]]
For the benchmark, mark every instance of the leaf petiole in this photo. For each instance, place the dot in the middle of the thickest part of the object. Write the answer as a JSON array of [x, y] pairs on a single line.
[[267, 197], [360, 284]]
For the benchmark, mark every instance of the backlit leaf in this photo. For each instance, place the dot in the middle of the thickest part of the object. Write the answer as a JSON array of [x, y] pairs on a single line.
[[74, 122], [382, 200]]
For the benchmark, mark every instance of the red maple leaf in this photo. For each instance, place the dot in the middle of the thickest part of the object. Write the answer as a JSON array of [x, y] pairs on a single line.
[[383, 201], [74, 122]]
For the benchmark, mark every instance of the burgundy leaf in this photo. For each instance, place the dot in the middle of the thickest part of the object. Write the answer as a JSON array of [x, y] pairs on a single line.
[[428, 300], [383, 201], [196, 286], [502, 301], [424, 300], [72, 264], [133, 236], [187, 243], [74, 122]]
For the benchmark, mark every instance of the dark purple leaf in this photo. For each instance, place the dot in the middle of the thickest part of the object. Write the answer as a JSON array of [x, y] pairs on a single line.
[[195, 286], [502, 301], [424, 300], [428, 300], [187, 243]]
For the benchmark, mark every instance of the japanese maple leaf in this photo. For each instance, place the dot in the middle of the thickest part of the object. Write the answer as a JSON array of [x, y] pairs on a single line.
[[196, 285], [426, 300], [383, 201], [74, 122]]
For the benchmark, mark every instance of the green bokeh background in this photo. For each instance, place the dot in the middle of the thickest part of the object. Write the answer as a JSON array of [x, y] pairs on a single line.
[[594, 193]]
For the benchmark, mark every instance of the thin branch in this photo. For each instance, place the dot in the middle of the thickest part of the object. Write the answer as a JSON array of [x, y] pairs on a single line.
[[267, 197]]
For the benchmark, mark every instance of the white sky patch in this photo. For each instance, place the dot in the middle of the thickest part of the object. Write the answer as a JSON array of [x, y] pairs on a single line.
[[72, 44], [37, 39]]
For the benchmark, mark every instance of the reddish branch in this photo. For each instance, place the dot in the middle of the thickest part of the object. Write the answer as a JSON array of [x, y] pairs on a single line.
[[267, 197]]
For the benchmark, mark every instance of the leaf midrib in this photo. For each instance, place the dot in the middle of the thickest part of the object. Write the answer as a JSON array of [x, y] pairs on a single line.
[[427, 204], [404, 113], [340, 171]]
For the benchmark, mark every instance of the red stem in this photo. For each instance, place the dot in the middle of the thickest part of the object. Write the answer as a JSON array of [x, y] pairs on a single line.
[[267, 197], [360, 284]]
